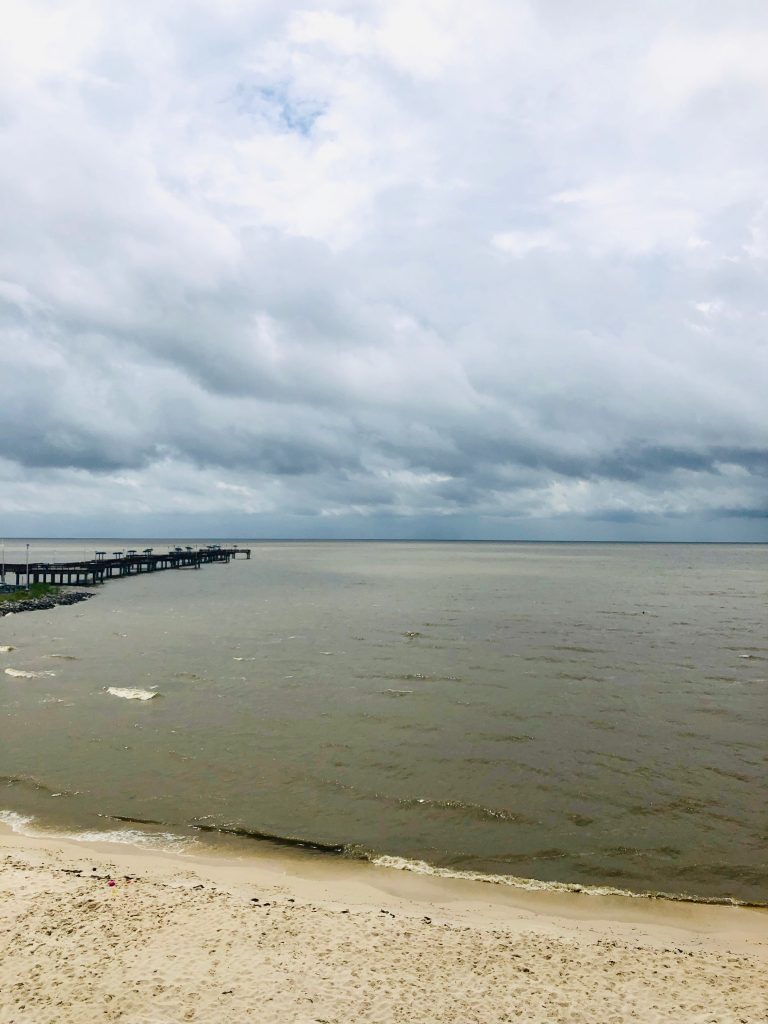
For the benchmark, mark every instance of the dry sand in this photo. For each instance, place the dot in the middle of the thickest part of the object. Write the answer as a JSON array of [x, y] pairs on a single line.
[[184, 940]]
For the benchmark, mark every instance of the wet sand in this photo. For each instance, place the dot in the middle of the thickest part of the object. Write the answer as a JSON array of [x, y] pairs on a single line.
[[282, 939]]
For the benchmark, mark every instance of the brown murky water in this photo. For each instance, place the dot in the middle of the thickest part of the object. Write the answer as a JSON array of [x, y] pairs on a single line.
[[573, 713]]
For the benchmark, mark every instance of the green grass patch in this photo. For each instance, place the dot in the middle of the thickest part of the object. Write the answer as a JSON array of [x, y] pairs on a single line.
[[34, 590]]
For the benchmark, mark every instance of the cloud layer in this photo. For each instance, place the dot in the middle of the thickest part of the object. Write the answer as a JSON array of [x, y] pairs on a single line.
[[397, 269]]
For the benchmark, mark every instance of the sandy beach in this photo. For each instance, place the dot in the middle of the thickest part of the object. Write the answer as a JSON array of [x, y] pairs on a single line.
[[212, 938]]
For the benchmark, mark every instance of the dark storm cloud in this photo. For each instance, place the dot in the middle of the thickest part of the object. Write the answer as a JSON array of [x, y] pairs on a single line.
[[64, 448]]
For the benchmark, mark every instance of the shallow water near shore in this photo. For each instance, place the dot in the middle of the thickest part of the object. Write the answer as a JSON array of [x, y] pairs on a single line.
[[589, 715]]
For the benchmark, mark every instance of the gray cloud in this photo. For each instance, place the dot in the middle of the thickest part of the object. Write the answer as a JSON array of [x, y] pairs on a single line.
[[353, 268]]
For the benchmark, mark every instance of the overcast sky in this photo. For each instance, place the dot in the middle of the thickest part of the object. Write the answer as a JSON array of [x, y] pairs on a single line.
[[396, 268]]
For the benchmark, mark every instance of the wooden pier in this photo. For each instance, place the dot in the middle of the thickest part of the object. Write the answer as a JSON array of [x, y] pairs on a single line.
[[120, 563]]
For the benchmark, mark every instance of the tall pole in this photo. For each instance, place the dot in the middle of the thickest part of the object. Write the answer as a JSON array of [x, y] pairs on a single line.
[[27, 566], [2, 573]]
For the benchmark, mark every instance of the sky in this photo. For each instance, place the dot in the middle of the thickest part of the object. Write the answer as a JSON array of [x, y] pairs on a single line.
[[384, 268]]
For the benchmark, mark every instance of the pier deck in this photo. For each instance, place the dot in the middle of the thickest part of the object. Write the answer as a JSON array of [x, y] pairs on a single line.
[[88, 572]]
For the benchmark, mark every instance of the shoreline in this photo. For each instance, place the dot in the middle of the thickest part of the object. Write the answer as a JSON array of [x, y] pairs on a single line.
[[209, 936], [240, 843]]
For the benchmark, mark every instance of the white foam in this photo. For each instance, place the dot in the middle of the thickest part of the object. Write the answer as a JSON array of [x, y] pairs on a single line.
[[22, 674], [6, 648], [420, 867], [130, 693], [19, 823], [16, 822], [132, 837]]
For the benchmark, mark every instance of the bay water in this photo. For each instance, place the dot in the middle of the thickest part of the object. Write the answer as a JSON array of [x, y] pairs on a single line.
[[589, 715]]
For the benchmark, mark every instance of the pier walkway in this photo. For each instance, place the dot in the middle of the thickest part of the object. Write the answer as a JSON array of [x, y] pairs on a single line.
[[121, 563]]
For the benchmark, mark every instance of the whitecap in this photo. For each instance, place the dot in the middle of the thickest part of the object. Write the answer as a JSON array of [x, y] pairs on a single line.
[[130, 693], [6, 648], [21, 674]]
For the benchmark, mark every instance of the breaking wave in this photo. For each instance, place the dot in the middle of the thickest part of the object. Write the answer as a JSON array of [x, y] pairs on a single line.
[[16, 822], [22, 824], [133, 837], [421, 867]]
